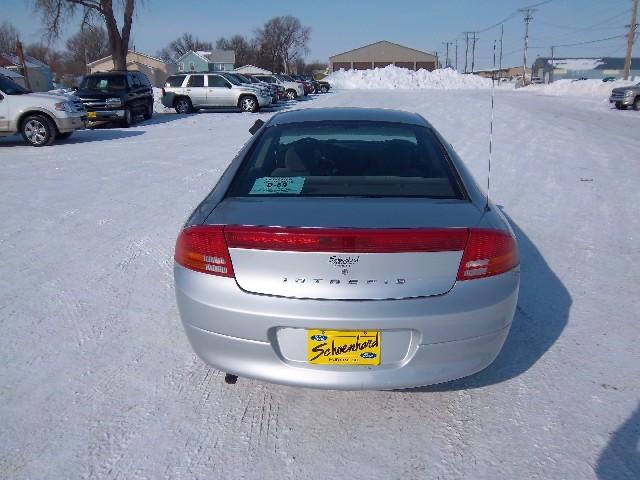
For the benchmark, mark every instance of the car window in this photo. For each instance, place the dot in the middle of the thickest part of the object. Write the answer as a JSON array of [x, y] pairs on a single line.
[[265, 79], [232, 79], [217, 81], [144, 81], [133, 81], [174, 81], [196, 81], [104, 82], [10, 87], [347, 159]]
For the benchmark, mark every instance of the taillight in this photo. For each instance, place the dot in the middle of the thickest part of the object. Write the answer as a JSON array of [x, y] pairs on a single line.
[[488, 253], [203, 248], [346, 240]]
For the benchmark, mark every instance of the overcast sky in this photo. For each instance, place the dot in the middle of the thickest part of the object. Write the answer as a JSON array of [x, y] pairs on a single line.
[[338, 26]]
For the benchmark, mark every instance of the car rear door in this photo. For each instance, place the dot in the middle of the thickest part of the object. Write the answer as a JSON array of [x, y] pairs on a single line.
[[219, 92], [197, 90]]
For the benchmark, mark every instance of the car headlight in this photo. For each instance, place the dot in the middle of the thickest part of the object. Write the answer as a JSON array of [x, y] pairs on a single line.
[[64, 107], [628, 93], [113, 102]]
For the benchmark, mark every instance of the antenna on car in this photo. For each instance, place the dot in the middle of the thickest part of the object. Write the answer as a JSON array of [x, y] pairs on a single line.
[[493, 88]]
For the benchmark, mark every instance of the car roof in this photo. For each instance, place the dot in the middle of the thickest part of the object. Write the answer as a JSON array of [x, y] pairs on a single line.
[[349, 114]]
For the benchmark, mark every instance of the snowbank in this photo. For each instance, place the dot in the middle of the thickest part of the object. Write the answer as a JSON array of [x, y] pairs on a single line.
[[393, 77], [580, 88]]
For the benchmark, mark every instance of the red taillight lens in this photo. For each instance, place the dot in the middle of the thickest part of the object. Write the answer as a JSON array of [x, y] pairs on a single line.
[[488, 253], [344, 240], [202, 248]]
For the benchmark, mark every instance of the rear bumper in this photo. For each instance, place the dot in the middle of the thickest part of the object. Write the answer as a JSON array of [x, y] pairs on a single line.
[[424, 340]]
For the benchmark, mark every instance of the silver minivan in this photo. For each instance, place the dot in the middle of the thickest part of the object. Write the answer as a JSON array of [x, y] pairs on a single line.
[[188, 93]]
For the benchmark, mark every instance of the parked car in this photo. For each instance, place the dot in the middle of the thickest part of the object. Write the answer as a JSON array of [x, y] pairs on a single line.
[[308, 83], [41, 118], [624, 97], [293, 90], [280, 91], [297, 268], [609, 79], [116, 96], [261, 86], [324, 86], [188, 93], [307, 87]]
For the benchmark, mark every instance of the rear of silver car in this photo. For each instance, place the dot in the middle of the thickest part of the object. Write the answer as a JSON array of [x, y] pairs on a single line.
[[334, 290]]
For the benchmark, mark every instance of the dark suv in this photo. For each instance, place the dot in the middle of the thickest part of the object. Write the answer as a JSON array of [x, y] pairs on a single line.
[[115, 95]]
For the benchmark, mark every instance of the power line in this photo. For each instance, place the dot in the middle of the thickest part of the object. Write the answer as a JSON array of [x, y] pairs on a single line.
[[583, 43]]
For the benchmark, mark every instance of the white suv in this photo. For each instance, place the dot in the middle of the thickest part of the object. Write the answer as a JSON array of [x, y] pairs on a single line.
[[40, 117], [190, 92]]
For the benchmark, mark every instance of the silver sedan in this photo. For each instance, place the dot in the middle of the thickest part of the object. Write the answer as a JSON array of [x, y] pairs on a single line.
[[347, 249]]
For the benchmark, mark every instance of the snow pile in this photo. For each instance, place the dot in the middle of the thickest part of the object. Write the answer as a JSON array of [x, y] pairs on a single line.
[[392, 77], [577, 88]]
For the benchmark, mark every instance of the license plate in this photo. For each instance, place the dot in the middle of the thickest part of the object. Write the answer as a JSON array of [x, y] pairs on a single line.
[[91, 114], [343, 347]]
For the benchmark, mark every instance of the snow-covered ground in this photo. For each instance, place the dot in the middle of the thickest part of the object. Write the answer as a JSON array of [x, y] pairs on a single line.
[[97, 379]]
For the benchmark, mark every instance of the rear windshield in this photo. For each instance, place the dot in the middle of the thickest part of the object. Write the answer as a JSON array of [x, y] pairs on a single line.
[[174, 81], [346, 159], [104, 82]]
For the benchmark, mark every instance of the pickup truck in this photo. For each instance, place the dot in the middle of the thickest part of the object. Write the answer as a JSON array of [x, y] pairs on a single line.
[[41, 118], [624, 97]]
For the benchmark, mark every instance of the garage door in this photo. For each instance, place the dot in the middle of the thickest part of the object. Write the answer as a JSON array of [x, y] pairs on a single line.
[[361, 65], [408, 65], [426, 65], [380, 64], [338, 65]]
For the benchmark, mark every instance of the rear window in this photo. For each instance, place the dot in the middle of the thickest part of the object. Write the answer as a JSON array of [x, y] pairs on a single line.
[[346, 159], [174, 81], [196, 81]]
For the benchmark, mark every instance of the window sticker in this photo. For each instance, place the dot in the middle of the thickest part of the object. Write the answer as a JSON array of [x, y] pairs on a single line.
[[269, 185]]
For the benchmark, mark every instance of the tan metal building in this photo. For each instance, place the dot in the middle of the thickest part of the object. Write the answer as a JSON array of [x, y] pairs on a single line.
[[154, 68], [381, 54]]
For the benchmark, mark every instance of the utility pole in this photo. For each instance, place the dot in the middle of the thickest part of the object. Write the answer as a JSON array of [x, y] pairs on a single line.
[[633, 25], [527, 19], [500, 61], [25, 71], [447, 62], [473, 52], [456, 55], [466, 51], [553, 61]]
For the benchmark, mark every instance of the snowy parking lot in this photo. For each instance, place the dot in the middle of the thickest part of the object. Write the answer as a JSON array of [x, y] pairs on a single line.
[[98, 380]]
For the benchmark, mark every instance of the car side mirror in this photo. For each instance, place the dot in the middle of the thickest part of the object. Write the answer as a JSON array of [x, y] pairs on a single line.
[[229, 85], [75, 88], [256, 126]]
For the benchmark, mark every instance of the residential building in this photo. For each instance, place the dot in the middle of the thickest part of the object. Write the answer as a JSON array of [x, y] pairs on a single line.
[[381, 54], [156, 69], [549, 70], [213, 61], [39, 75]]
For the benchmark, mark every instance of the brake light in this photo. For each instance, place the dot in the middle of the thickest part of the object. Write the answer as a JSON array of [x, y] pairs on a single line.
[[203, 248], [488, 253], [345, 240]]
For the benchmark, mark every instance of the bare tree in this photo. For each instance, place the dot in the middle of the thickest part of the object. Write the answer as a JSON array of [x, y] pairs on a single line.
[[182, 45], [316, 65], [8, 37], [282, 41], [86, 46], [55, 13], [246, 50]]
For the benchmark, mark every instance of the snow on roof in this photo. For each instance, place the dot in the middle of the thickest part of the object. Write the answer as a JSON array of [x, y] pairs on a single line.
[[251, 69], [577, 63]]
